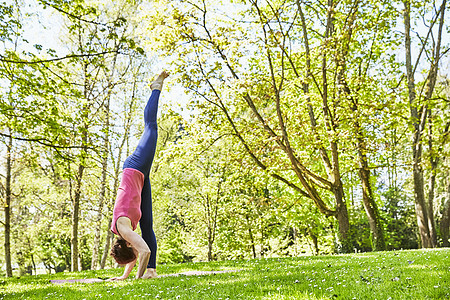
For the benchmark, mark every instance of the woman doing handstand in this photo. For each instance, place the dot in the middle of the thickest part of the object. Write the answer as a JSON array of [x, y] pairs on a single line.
[[134, 200]]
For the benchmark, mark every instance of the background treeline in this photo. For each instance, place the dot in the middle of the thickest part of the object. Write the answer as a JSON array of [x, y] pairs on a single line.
[[286, 127]]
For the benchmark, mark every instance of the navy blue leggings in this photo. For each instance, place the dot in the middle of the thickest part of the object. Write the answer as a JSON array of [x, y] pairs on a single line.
[[141, 159]]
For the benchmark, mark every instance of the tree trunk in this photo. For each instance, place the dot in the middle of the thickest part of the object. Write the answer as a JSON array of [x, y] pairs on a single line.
[[376, 227], [75, 221], [430, 204], [332, 167], [344, 92], [250, 233], [33, 264], [370, 206], [211, 218], [210, 245], [445, 224], [8, 208], [345, 241], [419, 118], [79, 181], [419, 196], [108, 242], [98, 220], [262, 240], [431, 82], [110, 204], [315, 242], [101, 198], [212, 208], [445, 221]]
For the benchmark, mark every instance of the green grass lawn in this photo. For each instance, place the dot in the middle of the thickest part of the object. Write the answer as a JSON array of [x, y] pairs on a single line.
[[420, 274]]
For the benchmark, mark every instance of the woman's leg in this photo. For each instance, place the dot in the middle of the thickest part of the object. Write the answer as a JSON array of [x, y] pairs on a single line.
[[142, 158], [146, 222]]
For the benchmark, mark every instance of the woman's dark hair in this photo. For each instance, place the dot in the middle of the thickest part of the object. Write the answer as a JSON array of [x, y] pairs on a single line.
[[121, 252]]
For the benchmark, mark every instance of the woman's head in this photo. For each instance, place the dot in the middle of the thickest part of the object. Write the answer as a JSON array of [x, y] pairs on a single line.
[[122, 252]]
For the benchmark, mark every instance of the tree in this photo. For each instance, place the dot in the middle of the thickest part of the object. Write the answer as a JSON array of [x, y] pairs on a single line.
[[120, 141], [198, 181], [298, 84], [438, 158], [419, 111], [114, 77], [11, 97], [92, 30]]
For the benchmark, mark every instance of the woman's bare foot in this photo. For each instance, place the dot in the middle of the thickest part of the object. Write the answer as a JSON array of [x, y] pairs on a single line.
[[157, 84], [151, 273]]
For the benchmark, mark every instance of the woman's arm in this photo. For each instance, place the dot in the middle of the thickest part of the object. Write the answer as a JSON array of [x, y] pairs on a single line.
[[137, 242], [128, 268]]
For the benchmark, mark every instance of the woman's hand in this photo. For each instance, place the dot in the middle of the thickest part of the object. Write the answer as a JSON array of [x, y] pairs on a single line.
[[117, 278]]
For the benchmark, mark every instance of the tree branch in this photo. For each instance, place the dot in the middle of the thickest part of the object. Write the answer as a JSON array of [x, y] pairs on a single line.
[[3, 59], [72, 15], [42, 141]]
